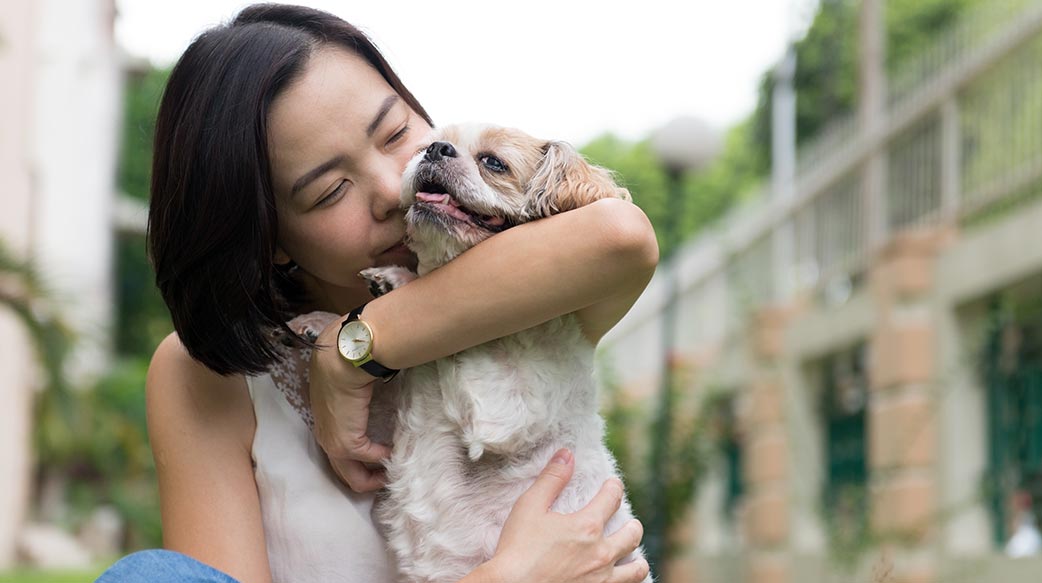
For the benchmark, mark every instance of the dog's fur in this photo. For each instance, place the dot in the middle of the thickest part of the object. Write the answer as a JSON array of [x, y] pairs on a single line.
[[475, 429]]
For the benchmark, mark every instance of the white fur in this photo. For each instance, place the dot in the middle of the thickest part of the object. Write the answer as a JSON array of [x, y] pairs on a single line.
[[475, 429]]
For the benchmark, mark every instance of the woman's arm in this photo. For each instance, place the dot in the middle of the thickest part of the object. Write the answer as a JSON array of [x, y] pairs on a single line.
[[593, 261], [201, 429]]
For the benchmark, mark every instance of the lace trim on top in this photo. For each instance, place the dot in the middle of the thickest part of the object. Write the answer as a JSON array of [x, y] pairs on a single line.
[[290, 371]]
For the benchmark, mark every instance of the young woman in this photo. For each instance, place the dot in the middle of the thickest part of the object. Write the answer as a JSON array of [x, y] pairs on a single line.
[[280, 144]]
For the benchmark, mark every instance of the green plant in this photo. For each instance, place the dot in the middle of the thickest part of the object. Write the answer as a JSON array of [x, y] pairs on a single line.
[[23, 292], [700, 428], [93, 439]]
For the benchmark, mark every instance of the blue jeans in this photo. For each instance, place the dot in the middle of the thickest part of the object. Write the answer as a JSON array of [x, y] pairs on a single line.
[[160, 566]]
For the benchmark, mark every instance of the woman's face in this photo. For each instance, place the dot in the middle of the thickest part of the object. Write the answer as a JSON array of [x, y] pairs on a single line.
[[339, 138]]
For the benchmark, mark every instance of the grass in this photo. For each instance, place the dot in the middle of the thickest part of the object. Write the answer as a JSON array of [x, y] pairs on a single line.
[[25, 575]]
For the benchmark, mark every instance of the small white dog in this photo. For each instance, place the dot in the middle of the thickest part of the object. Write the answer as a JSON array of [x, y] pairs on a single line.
[[475, 429]]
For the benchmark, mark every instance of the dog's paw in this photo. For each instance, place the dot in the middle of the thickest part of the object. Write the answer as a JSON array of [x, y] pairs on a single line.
[[384, 279]]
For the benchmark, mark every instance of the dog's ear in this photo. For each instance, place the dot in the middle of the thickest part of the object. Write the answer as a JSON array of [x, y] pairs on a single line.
[[566, 181]]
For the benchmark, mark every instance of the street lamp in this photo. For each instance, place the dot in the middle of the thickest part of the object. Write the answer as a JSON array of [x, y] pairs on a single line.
[[683, 145]]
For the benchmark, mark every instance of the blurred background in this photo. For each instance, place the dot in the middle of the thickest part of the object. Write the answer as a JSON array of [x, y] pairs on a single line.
[[835, 375]]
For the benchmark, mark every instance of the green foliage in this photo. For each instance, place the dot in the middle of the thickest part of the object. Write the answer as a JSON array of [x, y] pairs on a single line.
[[142, 320], [697, 437], [141, 103], [108, 460], [826, 79], [733, 176], [23, 292], [706, 194], [912, 26], [637, 169], [50, 576], [94, 438]]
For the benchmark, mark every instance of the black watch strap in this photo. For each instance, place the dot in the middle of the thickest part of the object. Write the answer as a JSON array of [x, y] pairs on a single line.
[[372, 367]]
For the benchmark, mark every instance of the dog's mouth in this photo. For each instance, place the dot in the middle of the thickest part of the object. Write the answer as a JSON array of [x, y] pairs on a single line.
[[436, 197]]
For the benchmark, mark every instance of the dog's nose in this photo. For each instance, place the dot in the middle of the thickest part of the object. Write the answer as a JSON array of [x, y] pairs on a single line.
[[439, 150]]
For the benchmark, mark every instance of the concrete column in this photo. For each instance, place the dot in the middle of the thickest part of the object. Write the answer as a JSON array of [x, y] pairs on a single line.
[[872, 116], [903, 408], [951, 162], [766, 459], [76, 121], [17, 39]]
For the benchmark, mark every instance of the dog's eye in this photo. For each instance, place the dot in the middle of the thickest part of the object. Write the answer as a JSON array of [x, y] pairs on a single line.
[[494, 164]]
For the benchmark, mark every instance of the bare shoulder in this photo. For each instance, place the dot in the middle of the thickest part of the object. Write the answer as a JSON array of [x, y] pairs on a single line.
[[201, 427], [185, 397]]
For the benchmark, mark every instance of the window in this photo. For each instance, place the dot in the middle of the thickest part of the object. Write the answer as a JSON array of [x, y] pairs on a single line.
[[844, 403], [1013, 381]]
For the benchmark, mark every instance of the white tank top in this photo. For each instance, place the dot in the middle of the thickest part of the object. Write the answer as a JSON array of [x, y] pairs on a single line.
[[316, 529]]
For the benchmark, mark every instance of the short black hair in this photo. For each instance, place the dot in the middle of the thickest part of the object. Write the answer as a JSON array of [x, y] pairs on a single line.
[[212, 224]]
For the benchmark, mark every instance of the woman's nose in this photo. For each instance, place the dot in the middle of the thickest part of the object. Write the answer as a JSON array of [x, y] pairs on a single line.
[[387, 194]]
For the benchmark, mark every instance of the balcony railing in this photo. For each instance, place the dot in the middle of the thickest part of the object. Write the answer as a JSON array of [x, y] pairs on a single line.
[[961, 136]]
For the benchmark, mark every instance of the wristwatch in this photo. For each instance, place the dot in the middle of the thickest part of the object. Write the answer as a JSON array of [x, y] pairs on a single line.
[[355, 343]]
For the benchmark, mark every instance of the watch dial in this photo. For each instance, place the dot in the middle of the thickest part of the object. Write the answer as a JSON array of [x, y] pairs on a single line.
[[354, 340]]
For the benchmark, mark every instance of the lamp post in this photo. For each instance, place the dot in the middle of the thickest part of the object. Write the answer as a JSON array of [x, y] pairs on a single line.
[[682, 145]]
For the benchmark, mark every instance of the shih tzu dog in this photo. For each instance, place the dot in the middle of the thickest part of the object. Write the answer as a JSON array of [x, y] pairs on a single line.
[[475, 429]]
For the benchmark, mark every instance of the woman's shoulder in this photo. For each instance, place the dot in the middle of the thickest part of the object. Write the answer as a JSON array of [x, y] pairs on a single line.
[[185, 398]]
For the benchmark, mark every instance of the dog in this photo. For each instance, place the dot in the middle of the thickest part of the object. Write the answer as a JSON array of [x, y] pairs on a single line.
[[473, 430]]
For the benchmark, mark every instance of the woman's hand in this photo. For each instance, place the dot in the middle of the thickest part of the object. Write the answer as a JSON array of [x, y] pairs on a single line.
[[340, 395], [538, 544]]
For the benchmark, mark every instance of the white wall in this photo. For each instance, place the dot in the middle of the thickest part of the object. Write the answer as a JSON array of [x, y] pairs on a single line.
[[77, 114], [16, 54], [59, 113]]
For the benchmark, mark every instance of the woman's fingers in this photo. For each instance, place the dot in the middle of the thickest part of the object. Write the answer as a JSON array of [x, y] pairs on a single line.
[[606, 502], [551, 481], [357, 476], [634, 572], [626, 540], [356, 447]]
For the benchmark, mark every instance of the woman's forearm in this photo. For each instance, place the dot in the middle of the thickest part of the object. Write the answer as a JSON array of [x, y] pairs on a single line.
[[597, 258], [485, 573]]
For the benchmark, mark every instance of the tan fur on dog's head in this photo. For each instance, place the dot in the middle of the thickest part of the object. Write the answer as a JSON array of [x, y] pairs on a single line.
[[565, 181], [474, 181]]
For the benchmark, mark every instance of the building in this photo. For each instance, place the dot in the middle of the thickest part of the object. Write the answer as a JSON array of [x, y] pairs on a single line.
[[60, 108], [878, 333]]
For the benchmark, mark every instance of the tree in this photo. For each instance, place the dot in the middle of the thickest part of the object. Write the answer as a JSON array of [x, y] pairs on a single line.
[[826, 80], [708, 194], [142, 320]]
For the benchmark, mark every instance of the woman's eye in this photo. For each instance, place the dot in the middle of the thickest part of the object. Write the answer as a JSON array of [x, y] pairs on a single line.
[[333, 196], [494, 164], [398, 135]]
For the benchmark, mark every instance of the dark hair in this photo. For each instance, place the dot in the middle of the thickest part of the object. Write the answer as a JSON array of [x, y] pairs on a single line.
[[212, 224]]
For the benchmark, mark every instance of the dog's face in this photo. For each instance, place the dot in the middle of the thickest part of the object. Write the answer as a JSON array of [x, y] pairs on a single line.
[[475, 181]]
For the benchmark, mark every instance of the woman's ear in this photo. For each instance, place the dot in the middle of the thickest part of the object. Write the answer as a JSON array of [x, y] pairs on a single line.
[[566, 181], [281, 258]]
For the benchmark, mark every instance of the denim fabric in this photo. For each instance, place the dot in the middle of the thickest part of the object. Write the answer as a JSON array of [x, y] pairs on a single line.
[[161, 566]]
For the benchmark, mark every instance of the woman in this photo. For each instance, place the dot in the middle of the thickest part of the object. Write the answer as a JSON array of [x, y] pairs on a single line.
[[280, 144]]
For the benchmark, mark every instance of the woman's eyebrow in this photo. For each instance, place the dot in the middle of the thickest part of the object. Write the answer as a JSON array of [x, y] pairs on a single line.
[[388, 103], [314, 173], [385, 107]]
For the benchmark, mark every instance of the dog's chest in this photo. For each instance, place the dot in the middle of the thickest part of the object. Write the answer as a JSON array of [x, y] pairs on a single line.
[[537, 378]]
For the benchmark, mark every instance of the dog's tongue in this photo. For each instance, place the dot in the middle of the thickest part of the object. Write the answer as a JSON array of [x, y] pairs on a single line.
[[436, 198], [451, 206]]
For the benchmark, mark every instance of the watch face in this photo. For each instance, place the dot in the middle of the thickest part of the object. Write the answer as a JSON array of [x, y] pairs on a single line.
[[355, 340]]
